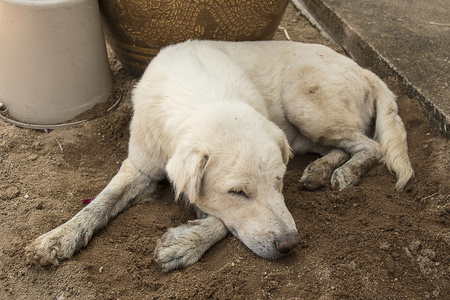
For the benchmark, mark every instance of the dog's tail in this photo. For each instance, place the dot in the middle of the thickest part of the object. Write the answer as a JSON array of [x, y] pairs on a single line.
[[390, 133]]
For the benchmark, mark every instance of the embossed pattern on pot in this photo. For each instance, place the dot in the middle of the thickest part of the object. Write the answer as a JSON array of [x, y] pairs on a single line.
[[137, 29]]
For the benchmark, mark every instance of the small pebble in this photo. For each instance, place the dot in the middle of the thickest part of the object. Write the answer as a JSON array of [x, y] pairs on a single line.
[[414, 246], [351, 265], [61, 297], [385, 246], [33, 157], [429, 253], [10, 193], [445, 237]]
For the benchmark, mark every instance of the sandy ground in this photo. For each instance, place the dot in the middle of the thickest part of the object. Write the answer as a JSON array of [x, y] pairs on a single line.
[[367, 242]]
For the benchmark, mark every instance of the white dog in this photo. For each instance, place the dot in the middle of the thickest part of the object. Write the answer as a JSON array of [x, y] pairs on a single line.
[[219, 119]]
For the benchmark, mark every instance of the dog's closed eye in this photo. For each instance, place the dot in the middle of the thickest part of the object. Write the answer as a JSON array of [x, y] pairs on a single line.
[[238, 193]]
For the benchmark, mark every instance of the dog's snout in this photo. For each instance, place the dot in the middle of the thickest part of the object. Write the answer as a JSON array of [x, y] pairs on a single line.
[[287, 243]]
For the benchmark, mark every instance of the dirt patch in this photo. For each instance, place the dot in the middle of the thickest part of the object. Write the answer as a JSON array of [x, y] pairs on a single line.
[[364, 242]]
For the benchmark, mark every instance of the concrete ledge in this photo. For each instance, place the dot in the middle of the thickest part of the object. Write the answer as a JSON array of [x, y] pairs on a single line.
[[370, 46]]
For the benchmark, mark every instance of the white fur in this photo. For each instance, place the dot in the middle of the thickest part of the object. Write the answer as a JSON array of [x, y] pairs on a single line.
[[220, 120]]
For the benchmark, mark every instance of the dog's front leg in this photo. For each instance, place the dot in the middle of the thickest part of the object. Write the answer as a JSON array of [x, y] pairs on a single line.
[[185, 245], [60, 243]]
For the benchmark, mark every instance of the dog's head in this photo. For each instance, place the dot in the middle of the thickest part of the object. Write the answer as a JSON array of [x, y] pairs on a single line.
[[236, 174]]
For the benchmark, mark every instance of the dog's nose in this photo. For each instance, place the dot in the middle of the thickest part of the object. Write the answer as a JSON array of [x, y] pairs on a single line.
[[287, 243]]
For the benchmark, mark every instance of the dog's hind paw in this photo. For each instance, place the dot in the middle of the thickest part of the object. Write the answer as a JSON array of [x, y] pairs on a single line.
[[316, 176], [318, 173], [54, 246], [343, 177]]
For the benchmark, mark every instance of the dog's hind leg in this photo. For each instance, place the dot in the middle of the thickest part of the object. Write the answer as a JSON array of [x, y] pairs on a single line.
[[126, 188], [185, 245], [365, 153], [331, 117], [318, 173]]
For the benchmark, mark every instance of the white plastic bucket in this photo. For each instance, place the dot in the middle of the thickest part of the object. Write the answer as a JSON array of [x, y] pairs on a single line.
[[53, 59]]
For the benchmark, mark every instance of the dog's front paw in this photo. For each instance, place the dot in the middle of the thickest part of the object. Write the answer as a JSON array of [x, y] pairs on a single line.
[[344, 177], [54, 246], [180, 247]]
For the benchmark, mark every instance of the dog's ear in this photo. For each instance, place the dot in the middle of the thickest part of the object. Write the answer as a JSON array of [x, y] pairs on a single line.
[[185, 171], [286, 151], [280, 138]]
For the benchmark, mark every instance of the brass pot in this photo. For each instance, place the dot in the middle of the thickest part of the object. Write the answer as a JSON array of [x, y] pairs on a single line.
[[138, 29]]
